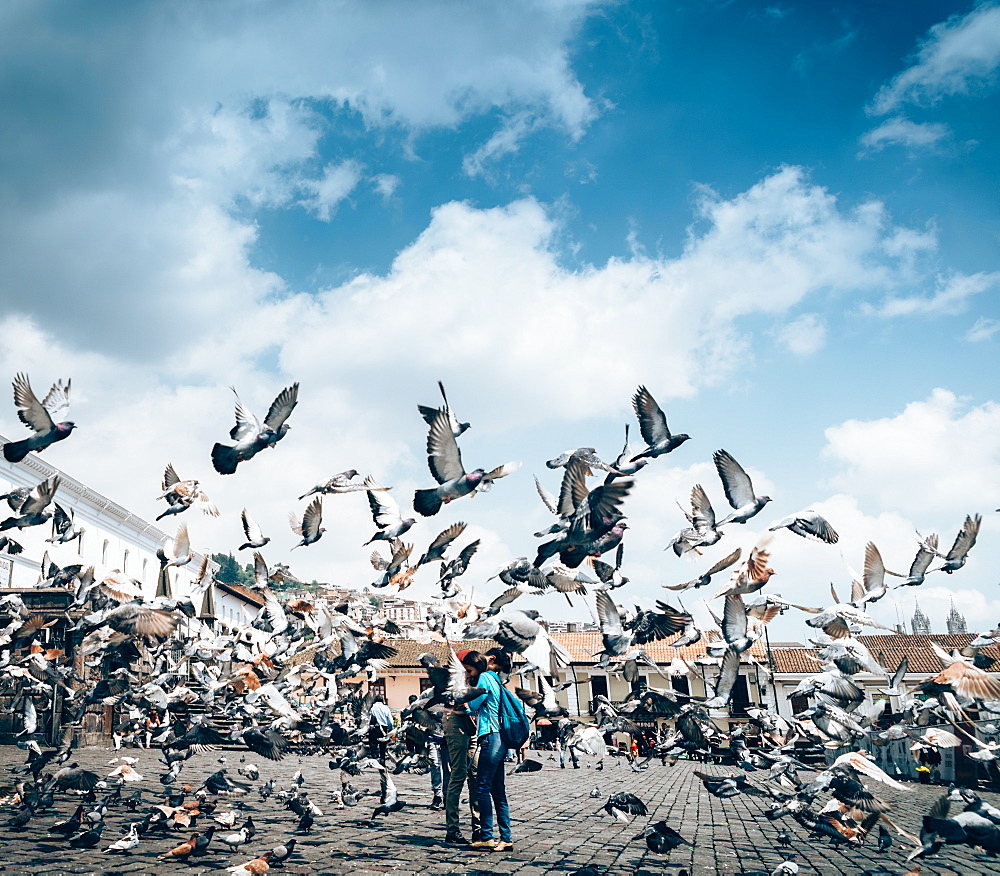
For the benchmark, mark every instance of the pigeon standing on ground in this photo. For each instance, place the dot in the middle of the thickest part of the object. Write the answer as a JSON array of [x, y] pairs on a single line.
[[44, 418]]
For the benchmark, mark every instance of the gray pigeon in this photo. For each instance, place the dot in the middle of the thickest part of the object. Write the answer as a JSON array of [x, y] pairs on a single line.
[[35, 510], [703, 531], [926, 553], [309, 528], [252, 436], [445, 462], [64, 530], [808, 524], [255, 537], [429, 415], [739, 489], [385, 513], [964, 541], [45, 418], [653, 426]]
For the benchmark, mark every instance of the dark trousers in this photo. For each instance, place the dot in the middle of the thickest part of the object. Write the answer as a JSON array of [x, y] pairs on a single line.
[[459, 735]]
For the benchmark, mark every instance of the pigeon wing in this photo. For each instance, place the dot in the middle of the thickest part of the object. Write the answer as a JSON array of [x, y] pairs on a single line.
[[170, 477], [384, 508], [312, 519], [735, 481], [443, 456], [57, 401], [607, 614], [282, 407], [702, 513], [31, 412], [246, 423], [966, 538], [734, 619], [652, 421]]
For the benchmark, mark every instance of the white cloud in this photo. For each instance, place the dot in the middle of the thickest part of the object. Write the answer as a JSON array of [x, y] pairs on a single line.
[[899, 131], [244, 97], [386, 184], [336, 184], [951, 296], [937, 455], [983, 330], [506, 140], [958, 56], [803, 336]]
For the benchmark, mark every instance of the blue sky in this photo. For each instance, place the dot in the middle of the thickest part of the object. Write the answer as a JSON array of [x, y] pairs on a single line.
[[781, 218]]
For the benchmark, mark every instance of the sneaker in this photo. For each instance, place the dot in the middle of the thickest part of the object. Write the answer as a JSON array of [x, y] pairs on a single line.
[[437, 802], [485, 845], [455, 839], [504, 846]]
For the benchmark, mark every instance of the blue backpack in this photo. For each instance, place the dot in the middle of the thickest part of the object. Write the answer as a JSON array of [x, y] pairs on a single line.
[[514, 725]]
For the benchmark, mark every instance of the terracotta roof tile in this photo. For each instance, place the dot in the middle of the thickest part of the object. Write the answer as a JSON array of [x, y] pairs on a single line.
[[409, 650], [888, 651], [583, 646], [241, 592]]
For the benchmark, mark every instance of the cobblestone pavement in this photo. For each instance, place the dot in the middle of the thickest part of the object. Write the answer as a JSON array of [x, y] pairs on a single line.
[[554, 822]]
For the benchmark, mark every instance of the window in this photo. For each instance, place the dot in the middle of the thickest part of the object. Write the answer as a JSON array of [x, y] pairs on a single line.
[[425, 683], [799, 703], [79, 543], [639, 684], [145, 564], [379, 687], [598, 686], [125, 563], [680, 684], [741, 696], [104, 553]]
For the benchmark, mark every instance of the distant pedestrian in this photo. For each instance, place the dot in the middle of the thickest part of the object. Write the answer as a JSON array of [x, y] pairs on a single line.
[[379, 729]]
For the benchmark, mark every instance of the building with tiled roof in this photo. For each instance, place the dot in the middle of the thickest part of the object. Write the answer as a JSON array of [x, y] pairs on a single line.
[[792, 665]]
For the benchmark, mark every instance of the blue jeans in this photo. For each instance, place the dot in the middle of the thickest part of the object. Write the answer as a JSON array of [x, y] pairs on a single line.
[[490, 790]]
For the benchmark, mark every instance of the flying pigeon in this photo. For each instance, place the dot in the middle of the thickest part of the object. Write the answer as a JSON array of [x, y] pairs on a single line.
[[181, 495], [653, 426], [429, 414], [309, 528], [252, 436], [255, 537], [808, 524], [45, 418], [445, 462], [739, 489], [35, 509]]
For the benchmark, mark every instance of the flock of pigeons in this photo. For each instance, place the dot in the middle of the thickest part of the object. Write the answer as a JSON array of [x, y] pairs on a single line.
[[290, 676]]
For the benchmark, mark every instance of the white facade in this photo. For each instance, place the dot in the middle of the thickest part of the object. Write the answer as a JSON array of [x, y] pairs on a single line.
[[113, 538]]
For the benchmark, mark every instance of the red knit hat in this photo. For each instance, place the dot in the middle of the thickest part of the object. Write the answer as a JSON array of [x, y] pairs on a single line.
[[461, 655]]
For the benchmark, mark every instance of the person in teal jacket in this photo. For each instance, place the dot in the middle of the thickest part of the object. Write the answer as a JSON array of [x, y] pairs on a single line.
[[491, 792]]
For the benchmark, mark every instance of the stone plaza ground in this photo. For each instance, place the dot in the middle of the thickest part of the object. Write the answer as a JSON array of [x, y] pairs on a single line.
[[555, 826]]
